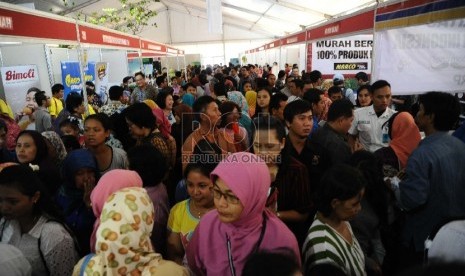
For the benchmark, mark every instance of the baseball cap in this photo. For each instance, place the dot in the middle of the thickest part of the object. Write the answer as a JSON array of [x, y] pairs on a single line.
[[338, 79]]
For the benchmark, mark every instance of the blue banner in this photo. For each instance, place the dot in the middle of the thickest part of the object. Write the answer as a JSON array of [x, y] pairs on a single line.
[[71, 76]]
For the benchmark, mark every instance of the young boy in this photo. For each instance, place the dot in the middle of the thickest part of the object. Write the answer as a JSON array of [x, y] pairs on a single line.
[[43, 120]]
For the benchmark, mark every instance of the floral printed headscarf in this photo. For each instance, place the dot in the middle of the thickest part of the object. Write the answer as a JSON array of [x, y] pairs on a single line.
[[123, 238]]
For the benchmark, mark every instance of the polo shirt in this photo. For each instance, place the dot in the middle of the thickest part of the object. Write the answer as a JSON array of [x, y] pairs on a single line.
[[368, 126]]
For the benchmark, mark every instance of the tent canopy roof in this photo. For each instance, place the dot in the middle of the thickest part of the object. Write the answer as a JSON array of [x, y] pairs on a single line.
[[185, 21]]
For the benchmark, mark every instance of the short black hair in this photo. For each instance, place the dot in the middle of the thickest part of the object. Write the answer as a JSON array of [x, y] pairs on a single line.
[[139, 74], [178, 74], [89, 83], [281, 74], [313, 95], [378, 85], [39, 97], [362, 76], [270, 123], [200, 106], [102, 118], [205, 168], [187, 85], [275, 100], [334, 90], [274, 263], [160, 80], [340, 108], [149, 163], [445, 108], [315, 75], [73, 100], [295, 108], [341, 182], [141, 115], [115, 92], [126, 79], [161, 99], [298, 83], [57, 87]]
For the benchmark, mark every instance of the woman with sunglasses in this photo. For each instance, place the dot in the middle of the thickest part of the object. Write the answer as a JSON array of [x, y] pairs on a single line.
[[241, 225]]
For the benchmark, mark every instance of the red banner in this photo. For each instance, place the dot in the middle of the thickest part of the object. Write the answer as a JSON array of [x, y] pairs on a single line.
[[15, 23], [98, 36]]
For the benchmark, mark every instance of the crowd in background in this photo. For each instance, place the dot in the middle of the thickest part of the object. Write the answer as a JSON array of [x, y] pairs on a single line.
[[233, 170]]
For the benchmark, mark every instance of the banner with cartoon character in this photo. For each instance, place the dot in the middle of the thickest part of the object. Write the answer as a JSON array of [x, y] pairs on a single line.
[[71, 76], [16, 82], [101, 81]]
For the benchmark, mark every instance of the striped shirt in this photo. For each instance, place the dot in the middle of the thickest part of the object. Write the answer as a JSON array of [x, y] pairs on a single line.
[[325, 245]]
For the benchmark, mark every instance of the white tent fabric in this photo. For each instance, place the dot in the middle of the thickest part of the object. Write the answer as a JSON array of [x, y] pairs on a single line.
[[185, 21]]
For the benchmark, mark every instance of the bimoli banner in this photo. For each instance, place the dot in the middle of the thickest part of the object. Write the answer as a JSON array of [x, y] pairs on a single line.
[[422, 58], [348, 55], [16, 81], [71, 76], [101, 81]]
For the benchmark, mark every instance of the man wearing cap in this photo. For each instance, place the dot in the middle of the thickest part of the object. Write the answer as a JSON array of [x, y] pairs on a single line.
[[338, 80], [369, 121]]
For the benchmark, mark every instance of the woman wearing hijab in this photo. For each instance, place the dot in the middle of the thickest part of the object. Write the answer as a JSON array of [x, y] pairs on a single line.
[[405, 136], [123, 239], [80, 174], [56, 148], [240, 225], [109, 183]]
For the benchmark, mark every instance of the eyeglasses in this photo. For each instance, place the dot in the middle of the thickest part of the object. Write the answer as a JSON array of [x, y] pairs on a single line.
[[231, 199]]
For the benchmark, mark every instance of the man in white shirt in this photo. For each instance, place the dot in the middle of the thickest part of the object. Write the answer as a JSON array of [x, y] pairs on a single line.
[[296, 86], [367, 126]]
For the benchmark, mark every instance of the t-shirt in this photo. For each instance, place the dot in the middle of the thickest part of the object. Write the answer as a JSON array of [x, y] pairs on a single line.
[[43, 121], [182, 221], [55, 107], [119, 161], [324, 245]]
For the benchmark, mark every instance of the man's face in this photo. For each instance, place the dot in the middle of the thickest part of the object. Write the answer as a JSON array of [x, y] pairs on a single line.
[[319, 107], [271, 80], [295, 72], [244, 72], [421, 119], [279, 113], [213, 113], [381, 98], [301, 124], [140, 81], [336, 96], [60, 94]]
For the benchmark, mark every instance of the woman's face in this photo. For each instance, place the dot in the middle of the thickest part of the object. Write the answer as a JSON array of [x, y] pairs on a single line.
[[263, 99], [192, 90], [135, 131], [94, 133], [347, 209], [267, 145], [169, 102], [199, 188], [364, 98], [30, 100], [233, 116], [84, 177], [14, 204], [229, 207], [81, 109], [26, 149], [69, 130], [247, 87]]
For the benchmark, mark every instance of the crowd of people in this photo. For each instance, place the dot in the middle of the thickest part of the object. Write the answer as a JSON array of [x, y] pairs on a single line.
[[232, 170]]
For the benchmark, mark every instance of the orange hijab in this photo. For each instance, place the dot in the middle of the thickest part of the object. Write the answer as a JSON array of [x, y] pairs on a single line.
[[405, 137]]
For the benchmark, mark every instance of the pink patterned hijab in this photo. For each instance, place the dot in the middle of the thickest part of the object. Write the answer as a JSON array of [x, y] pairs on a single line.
[[247, 176], [109, 183], [163, 124]]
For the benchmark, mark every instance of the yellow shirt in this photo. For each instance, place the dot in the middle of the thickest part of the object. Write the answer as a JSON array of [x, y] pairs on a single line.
[[6, 109], [90, 111], [56, 106]]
